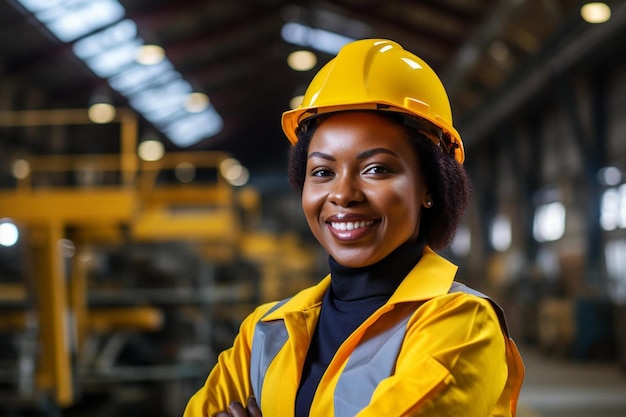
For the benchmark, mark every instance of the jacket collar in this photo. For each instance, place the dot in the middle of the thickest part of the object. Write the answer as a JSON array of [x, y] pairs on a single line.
[[431, 277]]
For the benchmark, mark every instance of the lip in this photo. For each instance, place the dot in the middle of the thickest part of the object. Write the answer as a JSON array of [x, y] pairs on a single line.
[[346, 227]]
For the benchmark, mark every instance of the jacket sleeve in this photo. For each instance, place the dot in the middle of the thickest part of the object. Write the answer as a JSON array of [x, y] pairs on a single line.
[[229, 380], [452, 362]]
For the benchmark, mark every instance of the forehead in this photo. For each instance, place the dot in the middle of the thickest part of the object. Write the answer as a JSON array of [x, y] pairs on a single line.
[[356, 130]]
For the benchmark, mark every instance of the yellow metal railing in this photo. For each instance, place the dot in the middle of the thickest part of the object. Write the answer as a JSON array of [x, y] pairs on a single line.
[[136, 201], [63, 117]]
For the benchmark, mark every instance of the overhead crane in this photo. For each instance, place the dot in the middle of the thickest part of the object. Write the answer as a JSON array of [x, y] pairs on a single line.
[[136, 208]]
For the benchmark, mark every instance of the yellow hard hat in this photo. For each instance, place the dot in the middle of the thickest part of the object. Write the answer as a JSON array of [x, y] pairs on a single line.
[[378, 74]]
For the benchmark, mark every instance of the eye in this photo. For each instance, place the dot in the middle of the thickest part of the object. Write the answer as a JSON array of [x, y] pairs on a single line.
[[321, 172], [377, 169]]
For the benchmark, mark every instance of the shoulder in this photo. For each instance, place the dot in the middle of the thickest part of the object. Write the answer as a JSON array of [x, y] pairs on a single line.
[[461, 308], [458, 287], [454, 326]]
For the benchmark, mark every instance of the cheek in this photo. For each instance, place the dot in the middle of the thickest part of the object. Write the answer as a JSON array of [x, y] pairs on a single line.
[[405, 197], [403, 206], [311, 203], [311, 207]]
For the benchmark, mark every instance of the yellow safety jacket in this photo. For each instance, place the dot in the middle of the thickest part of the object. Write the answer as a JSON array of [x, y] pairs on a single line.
[[429, 351]]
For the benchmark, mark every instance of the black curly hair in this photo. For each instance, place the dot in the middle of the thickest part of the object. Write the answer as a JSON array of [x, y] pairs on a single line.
[[445, 178]]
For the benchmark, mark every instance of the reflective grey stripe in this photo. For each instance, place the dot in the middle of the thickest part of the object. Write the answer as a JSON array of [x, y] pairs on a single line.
[[372, 361], [268, 338]]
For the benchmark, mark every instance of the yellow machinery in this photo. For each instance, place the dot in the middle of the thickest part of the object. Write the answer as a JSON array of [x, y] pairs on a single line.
[[136, 208]]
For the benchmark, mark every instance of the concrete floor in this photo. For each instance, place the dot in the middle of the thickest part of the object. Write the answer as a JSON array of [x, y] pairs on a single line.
[[556, 387]]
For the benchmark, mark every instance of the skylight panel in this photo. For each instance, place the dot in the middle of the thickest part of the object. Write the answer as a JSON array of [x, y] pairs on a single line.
[[71, 20], [108, 44]]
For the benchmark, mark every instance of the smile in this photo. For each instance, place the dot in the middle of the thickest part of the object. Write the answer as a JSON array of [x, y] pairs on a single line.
[[343, 226]]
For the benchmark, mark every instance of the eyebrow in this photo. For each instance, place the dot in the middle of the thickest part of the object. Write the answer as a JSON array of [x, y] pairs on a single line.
[[363, 155]]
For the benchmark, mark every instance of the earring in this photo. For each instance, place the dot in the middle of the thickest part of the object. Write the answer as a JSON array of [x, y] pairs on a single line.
[[429, 203]]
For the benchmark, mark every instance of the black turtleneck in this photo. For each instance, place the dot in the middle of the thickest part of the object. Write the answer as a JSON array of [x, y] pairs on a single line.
[[354, 294]]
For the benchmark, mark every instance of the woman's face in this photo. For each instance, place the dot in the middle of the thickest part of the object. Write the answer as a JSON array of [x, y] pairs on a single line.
[[363, 190]]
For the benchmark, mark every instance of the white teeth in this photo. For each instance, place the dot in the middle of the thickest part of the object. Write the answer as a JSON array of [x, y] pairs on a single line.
[[350, 225]]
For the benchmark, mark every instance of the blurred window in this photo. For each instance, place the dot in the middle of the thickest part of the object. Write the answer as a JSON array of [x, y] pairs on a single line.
[[549, 222], [501, 233], [615, 258], [613, 208]]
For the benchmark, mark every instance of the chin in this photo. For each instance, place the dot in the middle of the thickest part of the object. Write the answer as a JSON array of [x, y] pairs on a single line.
[[352, 261]]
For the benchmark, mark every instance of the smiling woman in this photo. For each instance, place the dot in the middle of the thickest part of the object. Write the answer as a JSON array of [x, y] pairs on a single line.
[[388, 332], [363, 189]]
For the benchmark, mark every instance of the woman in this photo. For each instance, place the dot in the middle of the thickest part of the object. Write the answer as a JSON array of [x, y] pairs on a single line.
[[388, 332]]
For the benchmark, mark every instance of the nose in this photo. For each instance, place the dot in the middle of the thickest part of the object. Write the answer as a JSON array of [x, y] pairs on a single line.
[[346, 191]]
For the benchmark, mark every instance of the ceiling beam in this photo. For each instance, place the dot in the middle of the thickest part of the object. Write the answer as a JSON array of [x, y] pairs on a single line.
[[574, 48]]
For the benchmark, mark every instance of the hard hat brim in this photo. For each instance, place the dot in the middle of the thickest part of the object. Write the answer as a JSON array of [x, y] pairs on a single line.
[[291, 119]]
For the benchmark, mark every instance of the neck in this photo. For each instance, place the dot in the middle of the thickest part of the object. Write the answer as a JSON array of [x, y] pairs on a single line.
[[379, 279]]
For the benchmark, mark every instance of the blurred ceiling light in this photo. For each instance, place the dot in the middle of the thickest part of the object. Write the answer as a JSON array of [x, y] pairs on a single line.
[[499, 51], [86, 255], [610, 176], [66, 248], [9, 234], [318, 39], [72, 19], [296, 101], [596, 12], [108, 43], [20, 169], [150, 55], [196, 102], [185, 172], [233, 172], [242, 177], [150, 150], [227, 165], [301, 60], [101, 113]]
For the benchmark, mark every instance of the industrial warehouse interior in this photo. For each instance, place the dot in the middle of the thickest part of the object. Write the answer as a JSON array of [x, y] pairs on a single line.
[[145, 207]]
